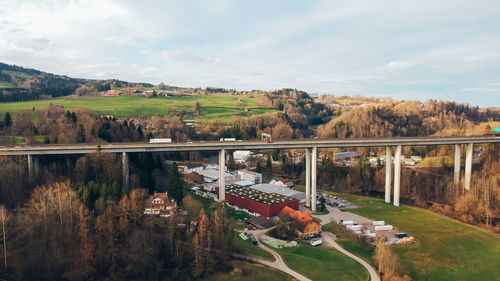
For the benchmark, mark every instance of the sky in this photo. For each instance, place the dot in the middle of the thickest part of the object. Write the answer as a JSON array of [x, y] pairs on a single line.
[[407, 50]]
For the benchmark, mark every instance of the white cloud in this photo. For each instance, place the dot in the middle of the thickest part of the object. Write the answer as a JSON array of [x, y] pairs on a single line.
[[482, 90], [362, 47]]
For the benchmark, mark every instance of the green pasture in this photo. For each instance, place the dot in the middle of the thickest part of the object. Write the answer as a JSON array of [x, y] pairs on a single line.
[[6, 85], [320, 263], [346, 240], [251, 249], [446, 249], [213, 108], [246, 271]]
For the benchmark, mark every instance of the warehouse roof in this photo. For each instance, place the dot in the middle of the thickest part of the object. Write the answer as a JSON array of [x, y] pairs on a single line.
[[256, 195], [343, 155], [271, 188]]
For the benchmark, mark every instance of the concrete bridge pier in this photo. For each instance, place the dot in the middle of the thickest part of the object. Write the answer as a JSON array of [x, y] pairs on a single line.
[[456, 176], [30, 168], [125, 171], [222, 179], [308, 177], [314, 163], [468, 165], [388, 176], [397, 175]]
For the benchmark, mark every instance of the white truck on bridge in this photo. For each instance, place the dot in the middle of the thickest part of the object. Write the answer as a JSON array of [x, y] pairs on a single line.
[[160, 140]]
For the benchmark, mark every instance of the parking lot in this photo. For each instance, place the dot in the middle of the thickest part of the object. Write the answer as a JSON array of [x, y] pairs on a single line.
[[337, 212]]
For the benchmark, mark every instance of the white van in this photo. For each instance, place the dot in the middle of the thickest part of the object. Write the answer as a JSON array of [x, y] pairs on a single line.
[[316, 242]]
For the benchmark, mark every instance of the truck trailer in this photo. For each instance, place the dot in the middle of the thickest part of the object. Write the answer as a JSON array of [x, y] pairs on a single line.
[[161, 140]]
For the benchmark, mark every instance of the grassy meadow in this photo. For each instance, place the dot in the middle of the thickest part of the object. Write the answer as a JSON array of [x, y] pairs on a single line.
[[249, 271], [320, 263], [345, 239], [219, 108], [253, 250], [446, 249]]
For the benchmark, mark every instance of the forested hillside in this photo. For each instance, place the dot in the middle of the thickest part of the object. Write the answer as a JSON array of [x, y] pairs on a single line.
[[19, 83]]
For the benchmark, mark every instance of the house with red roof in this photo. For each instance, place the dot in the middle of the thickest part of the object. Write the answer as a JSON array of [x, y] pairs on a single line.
[[160, 204], [282, 182], [111, 93], [309, 226]]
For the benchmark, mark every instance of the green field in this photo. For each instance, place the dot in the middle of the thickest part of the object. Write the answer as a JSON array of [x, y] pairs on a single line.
[[436, 161], [6, 85], [251, 249], [213, 108], [320, 263], [345, 239], [251, 272], [447, 249], [11, 140], [15, 73]]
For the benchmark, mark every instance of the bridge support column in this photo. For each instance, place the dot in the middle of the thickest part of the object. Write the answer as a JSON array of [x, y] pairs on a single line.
[[468, 165], [314, 162], [125, 171], [388, 176], [456, 176], [308, 177], [397, 175], [30, 168], [222, 179]]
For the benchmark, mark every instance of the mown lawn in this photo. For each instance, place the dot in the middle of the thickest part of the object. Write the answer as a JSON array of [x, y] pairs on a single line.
[[320, 263], [213, 108], [447, 249], [346, 239], [251, 249], [251, 272]]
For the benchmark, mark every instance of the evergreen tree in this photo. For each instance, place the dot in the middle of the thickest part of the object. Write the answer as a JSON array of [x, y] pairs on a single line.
[[258, 169], [175, 184], [7, 120], [80, 135]]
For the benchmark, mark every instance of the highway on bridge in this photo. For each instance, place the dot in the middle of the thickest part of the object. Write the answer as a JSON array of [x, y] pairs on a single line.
[[240, 145]]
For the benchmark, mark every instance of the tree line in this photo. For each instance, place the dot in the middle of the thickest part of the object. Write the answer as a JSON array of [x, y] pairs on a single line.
[[55, 236]]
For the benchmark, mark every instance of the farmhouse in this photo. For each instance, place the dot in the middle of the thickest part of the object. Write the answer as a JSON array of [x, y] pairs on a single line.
[[309, 226], [160, 204], [112, 93]]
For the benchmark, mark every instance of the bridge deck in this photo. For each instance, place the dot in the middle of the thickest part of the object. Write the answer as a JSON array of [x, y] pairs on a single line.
[[241, 145]]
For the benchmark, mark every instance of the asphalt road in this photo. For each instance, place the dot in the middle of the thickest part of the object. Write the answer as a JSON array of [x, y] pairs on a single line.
[[278, 262], [328, 238], [329, 241]]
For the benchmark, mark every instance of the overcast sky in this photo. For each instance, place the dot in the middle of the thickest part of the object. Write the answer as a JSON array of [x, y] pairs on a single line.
[[402, 49]]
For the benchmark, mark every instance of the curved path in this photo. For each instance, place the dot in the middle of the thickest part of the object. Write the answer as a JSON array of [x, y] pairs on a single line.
[[329, 241], [278, 262]]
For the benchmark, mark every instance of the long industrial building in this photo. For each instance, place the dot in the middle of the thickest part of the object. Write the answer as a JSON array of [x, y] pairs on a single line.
[[263, 203]]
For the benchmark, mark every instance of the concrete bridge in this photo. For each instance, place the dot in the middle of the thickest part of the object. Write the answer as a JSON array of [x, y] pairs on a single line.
[[310, 146]]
